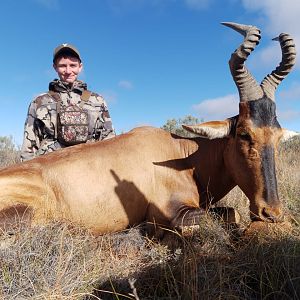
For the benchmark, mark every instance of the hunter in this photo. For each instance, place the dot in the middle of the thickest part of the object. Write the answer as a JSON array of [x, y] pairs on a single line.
[[67, 114]]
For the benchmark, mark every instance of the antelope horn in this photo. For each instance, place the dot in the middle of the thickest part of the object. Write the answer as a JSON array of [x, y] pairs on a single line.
[[271, 81], [247, 86]]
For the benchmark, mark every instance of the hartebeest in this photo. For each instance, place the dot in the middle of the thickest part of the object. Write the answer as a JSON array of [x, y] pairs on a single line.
[[151, 175]]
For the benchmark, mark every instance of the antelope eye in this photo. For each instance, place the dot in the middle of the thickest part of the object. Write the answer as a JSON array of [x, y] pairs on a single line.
[[244, 135]]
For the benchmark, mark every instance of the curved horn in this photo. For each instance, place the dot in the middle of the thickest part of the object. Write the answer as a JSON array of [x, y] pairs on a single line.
[[247, 86], [271, 81]]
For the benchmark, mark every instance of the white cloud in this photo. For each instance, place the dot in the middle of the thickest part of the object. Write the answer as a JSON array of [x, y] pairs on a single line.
[[198, 4], [276, 16], [267, 58], [280, 14], [227, 106], [218, 108], [125, 84]]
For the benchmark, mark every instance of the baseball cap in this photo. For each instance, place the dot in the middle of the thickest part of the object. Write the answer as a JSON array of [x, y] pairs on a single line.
[[66, 48]]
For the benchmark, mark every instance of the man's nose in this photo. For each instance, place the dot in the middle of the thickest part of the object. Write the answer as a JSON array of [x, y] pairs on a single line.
[[68, 69]]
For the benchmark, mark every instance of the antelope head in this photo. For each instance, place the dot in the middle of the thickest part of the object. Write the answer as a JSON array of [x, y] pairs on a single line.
[[254, 134], [256, 131]]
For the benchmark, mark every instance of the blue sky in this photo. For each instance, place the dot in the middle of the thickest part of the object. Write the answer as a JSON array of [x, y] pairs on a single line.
[[152, 60]]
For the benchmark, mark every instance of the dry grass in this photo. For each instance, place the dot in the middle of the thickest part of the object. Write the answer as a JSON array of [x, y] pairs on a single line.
[[288, 174], [58, 261]]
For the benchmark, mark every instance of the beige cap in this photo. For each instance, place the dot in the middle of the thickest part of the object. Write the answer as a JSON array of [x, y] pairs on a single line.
[[65, 47]]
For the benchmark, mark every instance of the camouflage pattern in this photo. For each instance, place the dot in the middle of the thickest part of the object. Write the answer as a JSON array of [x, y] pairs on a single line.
[[73, 125], [40, 132]]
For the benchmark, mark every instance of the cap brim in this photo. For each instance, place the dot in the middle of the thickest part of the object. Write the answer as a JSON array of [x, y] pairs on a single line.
[[66, 49]]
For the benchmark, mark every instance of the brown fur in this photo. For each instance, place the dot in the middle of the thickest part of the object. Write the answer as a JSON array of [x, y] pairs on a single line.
[[144, 175], [249, 152]]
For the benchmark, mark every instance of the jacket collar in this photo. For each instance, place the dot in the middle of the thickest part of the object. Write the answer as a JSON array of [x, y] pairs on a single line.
[[59, 86]]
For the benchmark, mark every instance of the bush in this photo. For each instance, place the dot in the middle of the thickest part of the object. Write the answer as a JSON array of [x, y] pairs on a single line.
[[9, 152], [174, 125]]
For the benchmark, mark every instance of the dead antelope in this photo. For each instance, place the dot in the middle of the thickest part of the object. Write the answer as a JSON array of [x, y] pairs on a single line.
[[150, 175]]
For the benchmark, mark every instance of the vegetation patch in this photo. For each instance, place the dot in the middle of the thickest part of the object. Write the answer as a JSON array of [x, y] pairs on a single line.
[[58, 261]]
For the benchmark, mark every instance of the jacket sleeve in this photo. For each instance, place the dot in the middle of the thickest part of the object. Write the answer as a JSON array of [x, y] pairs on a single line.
[[31, 140], [104, 125]]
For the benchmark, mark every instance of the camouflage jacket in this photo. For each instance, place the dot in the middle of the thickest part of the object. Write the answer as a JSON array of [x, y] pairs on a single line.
[[41, 122]]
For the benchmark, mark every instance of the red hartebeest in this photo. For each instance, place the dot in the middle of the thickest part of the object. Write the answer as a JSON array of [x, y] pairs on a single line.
[[151, 175]]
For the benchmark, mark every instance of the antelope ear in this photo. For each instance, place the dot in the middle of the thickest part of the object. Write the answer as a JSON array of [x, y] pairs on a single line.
[[288, 134], [212, 129]]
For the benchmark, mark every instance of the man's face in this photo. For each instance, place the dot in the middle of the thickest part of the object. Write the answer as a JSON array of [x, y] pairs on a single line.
[[67, 68]]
